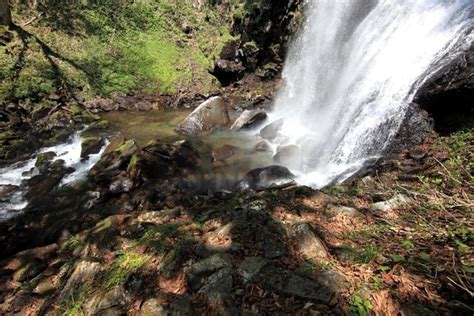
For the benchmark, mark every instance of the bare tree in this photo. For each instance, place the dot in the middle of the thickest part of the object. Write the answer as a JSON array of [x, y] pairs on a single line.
[[5, 13]]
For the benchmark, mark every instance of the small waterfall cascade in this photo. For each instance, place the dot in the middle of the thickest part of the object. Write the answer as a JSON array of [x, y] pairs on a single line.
[[15, 175], [352, 73]]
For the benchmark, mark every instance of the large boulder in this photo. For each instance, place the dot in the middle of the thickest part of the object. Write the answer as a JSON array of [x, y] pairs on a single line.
[[210, 115], [249, 119], [42, 184], [91, 146], [160, 160], [267, 178], [227, 71], [113, 162]]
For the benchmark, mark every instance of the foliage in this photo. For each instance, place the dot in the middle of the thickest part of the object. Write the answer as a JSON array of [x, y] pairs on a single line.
[[103, 47], [359, 306]]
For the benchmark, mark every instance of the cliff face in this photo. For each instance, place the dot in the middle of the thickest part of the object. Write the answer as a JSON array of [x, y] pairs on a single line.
[[449, 95], [264, 29]]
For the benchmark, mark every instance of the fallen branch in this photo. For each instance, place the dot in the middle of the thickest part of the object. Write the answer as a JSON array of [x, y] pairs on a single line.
[[32, 19]]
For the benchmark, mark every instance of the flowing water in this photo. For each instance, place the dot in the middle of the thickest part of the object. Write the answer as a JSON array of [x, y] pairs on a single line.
[[161, 125], [352, 73], [14, 176]]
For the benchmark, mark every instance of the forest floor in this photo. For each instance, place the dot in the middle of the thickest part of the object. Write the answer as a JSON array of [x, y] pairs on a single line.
[[396, 240]]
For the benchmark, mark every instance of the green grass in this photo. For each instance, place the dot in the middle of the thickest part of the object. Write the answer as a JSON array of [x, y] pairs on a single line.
[[108, 47], [156, 236], [123, 266]]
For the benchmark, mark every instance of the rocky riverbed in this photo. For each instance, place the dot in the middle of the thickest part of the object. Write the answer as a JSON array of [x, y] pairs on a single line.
[[142, 235]]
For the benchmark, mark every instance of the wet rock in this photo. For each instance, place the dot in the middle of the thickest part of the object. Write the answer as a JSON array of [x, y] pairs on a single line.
[[91, 145], [416, 126], [267, 28], [309, 245], [152, 307], [227, 71], [207, 117], [272, 130], [163, 160], [289, 155], [251, 266], [392, 204], [113, 163], [97, 126], [249, 119], [121, 185], [44, 183], [224, 152], [43, 160], [6, 191], [262, 146], [266, 178], [115, 142], [287, 283]]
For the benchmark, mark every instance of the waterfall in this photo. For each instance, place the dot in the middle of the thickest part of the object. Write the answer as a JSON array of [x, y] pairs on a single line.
[[353, 71]]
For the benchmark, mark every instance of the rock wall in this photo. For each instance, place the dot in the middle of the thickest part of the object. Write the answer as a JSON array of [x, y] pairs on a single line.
[[448, 96], [264, 28]]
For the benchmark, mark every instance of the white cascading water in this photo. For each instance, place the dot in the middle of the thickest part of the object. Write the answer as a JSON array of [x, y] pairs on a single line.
[[15, 174], [352, 73]]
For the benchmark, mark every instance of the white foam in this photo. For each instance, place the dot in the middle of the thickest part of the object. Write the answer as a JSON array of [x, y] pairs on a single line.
[[15, 174], [353, 71]]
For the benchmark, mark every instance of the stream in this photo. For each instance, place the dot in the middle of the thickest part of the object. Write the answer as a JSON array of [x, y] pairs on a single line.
[[226, 156]]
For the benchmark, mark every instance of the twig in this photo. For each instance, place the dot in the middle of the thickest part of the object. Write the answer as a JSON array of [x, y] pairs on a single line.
[[32, 19], [449, 173]]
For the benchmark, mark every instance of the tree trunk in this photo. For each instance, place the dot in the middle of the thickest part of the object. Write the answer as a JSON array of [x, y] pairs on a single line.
[[5, 13]]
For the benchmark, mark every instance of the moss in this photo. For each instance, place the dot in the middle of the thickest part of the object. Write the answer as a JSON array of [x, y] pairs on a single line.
[[123, 147], [109, 47], [99, 125], [76, 109], [133, 162], [72, 243]]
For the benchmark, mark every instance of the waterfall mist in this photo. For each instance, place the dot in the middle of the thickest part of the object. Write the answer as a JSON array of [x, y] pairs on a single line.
[[353, 71]]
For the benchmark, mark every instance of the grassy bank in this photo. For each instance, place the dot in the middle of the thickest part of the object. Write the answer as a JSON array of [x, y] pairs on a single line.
[[99, 48]]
